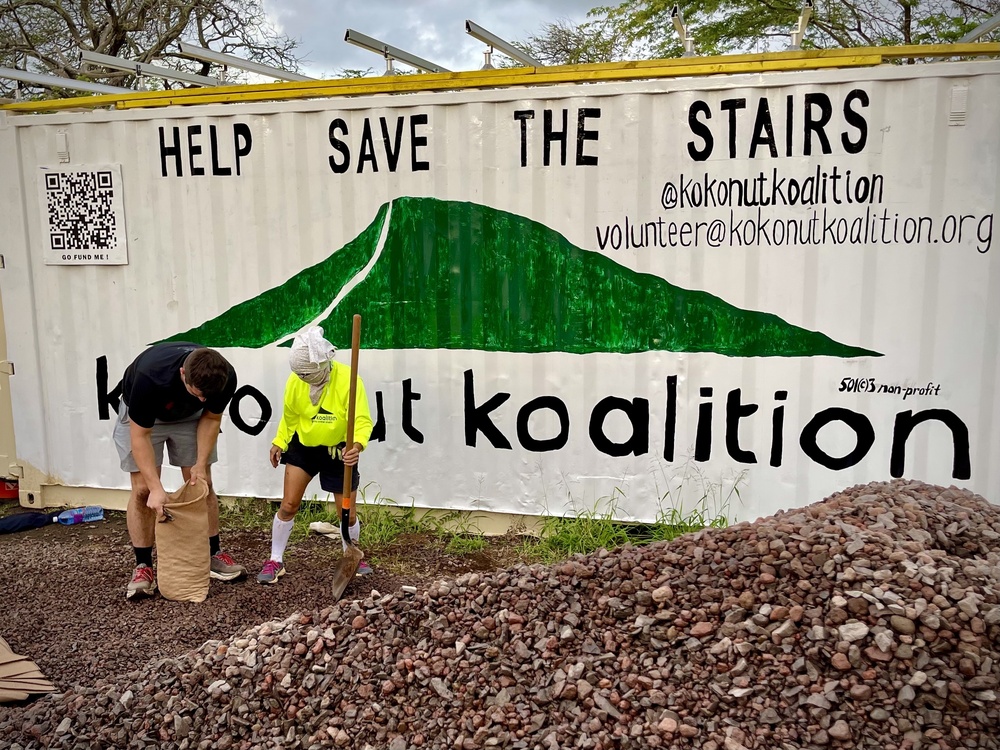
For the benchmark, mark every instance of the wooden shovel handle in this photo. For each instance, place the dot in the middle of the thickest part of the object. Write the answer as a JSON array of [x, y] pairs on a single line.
[[345, 516]]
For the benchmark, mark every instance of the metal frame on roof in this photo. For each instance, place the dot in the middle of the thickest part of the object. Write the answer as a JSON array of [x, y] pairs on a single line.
[[145, 69], [797, 60], [982, 30], [71, 84], [687, 41], [391, 53], [799, 32], [495, 42], [232, 61]]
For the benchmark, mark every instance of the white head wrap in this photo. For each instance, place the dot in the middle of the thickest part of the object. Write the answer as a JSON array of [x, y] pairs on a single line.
[[310, 360]]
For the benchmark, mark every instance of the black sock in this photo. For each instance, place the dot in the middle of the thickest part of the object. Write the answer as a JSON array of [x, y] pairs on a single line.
[[143, 556], [213, 542]]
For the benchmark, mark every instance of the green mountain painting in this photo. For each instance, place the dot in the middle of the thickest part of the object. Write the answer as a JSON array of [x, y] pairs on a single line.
[[436, 274]]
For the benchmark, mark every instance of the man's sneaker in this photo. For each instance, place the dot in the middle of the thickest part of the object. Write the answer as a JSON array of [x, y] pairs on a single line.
[[271, 572], [143, 582], [364, 569], [224, 568]]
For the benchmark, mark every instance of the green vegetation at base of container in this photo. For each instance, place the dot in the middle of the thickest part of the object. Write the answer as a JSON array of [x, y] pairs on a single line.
[[384, 522]]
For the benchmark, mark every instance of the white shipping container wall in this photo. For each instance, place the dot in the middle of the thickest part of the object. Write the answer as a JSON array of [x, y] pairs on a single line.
[[742, 291]]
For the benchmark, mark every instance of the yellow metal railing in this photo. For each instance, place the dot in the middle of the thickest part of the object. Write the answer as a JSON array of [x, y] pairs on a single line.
[[622, 71]]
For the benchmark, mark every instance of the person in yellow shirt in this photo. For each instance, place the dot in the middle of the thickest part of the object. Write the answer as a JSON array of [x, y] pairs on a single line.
[[311, 439]]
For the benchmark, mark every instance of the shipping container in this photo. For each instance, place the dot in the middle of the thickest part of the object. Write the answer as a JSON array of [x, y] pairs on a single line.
[[735, 293]]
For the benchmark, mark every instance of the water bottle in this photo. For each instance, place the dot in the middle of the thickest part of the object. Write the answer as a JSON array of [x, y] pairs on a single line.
[[81, 515]]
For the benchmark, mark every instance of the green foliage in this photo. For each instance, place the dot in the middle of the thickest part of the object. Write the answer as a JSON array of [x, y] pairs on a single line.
[[643, 29], [464, 545], [459, 531], [385, 522], [589, 529], [595, 528], [246, 514]]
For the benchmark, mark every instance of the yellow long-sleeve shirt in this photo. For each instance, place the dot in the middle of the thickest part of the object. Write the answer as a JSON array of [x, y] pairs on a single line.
[[324, 423]]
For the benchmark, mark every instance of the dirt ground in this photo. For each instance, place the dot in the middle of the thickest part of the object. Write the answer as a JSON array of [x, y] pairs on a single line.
[[62, 590]]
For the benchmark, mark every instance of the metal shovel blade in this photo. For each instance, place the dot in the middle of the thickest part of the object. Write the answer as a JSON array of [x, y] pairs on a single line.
[[346, 569]]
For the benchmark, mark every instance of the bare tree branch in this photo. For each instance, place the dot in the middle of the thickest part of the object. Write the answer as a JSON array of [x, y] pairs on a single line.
[[45, 36]]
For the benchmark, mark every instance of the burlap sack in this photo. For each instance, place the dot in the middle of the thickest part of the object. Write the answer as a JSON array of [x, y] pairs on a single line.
[[183, 556]]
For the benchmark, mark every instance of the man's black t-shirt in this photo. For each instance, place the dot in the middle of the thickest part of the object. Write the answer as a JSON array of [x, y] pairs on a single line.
[[153, 389]]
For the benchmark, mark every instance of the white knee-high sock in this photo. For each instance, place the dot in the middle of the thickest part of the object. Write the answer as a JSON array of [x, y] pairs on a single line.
[[354, 532], [280, 531]]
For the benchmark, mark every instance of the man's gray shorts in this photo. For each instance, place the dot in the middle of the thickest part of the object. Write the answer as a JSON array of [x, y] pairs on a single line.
[[181, 439]]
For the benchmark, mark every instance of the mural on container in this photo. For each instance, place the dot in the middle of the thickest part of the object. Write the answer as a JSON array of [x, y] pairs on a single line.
[[780, 323], [508, 284]]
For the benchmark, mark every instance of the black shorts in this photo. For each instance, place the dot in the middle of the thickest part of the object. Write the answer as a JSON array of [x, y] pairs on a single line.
[[317, 460]]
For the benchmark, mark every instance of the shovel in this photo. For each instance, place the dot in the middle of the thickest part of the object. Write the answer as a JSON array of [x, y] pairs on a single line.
[[348, 565]]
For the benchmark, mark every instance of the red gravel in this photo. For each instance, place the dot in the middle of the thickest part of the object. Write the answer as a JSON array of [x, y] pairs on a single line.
[[63, 594]]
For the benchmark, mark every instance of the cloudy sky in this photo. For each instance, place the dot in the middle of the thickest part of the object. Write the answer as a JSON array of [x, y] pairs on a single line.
[[431, 29]]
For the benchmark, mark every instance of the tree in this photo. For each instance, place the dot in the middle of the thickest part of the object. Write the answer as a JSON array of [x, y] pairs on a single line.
[[354, 72], [566, 43], [45, 36], [643, 28]]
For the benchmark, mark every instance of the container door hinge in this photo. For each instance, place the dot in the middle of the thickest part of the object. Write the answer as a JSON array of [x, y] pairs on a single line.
[[7, 368]]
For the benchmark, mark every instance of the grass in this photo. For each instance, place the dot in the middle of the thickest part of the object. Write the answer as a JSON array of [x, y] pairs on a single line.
[[246, 514], [589, 530], [465, 545], [384, 521]]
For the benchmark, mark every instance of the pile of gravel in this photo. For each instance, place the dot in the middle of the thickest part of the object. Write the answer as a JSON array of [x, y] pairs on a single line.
[[870, 619]]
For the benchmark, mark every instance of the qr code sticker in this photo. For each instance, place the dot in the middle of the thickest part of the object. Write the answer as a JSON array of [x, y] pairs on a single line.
[[82, 216]]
